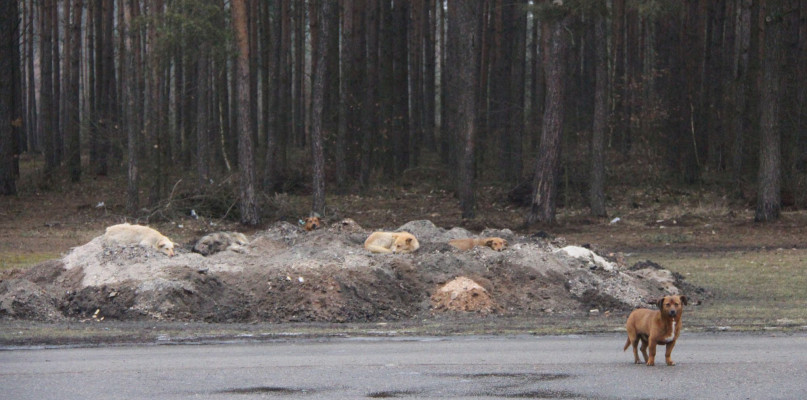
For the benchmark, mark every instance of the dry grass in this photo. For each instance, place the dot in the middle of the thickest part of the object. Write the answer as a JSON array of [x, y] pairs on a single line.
[[763, 288]]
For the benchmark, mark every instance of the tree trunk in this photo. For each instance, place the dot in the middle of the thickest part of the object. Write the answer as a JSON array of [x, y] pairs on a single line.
[[769, 181], [513, 163], [110, 99], [415, 81], [429, 75], [154, 119], [17, 99], [385, 90], [370, 109], [284, 99], [9, 70], [58, 134], [596, 194], [252, 31], [498, 106], [130, 98], [248, 199], [739, 88], [351, 91], [545, 181], [202, 119], [31, 124], [400, 88], [464, 39], [271, 47], [689, 85], [537, 86], [327, 17], [72, 114], [46, 85], [299, 74]]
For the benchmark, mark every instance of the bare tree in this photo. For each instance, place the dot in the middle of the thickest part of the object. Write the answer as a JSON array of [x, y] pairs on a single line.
[[739, 89], [770, 157], [246, 162], [370, 109], [545, 180], [596, 193], [71, 94], [46, 84], [327, 17], [10, 121], [202, 118], [463, 43]]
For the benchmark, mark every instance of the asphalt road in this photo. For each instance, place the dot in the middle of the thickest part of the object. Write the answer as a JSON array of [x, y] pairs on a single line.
[[710, 366]]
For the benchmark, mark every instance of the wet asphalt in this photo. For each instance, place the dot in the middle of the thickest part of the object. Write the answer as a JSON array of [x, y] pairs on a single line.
[[710, 366]]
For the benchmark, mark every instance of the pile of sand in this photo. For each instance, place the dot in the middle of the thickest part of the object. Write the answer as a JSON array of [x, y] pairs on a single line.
[[465, 295]]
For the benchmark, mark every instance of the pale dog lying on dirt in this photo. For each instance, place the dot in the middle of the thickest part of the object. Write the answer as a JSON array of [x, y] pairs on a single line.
[[495, 243], [127, 234], [391, 242], [220, 241]]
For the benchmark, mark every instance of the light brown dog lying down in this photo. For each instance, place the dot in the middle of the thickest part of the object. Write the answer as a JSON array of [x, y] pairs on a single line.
[[495, 243], [144, 236], [391, 242], [654, 327]]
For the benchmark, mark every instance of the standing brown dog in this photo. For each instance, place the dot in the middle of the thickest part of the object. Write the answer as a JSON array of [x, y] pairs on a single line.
[[656, 327]]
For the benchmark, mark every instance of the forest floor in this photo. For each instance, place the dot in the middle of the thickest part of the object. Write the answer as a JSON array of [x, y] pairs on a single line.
[[754, 273]]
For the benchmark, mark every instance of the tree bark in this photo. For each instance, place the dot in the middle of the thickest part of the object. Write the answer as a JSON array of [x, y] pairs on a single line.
[[370, 101], [327, 17], [513, 163], [58, 134], [739, 88], [429, 74], [271, 48], [202, 119], [72, 114], [46, 85], [545, 180], [769, 181], [10, 120], [154, 118], [299, 74], [387, 39], [596, 194], [28, 141], [248, 203], [415, 80], [129, 88], [464, 40], [400, 88]]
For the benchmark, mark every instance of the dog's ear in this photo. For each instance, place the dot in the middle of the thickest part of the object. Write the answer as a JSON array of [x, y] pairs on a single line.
[[408, 240], [489, 243], [683, 300], [660, 303]]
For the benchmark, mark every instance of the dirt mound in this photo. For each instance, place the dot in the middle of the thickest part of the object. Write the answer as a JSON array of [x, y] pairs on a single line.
[[465, 295], [286, 274]]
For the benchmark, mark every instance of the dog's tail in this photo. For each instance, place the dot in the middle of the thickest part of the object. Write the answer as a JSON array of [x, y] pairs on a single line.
[[627, 344]]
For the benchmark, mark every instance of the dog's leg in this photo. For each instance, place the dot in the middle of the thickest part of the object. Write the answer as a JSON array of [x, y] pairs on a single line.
[[635, 343], [652, 360], [667, 354], [644, 352], [378, 249]]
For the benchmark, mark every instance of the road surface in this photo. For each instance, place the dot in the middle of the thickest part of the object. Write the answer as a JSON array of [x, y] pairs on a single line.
[[710, 366]]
